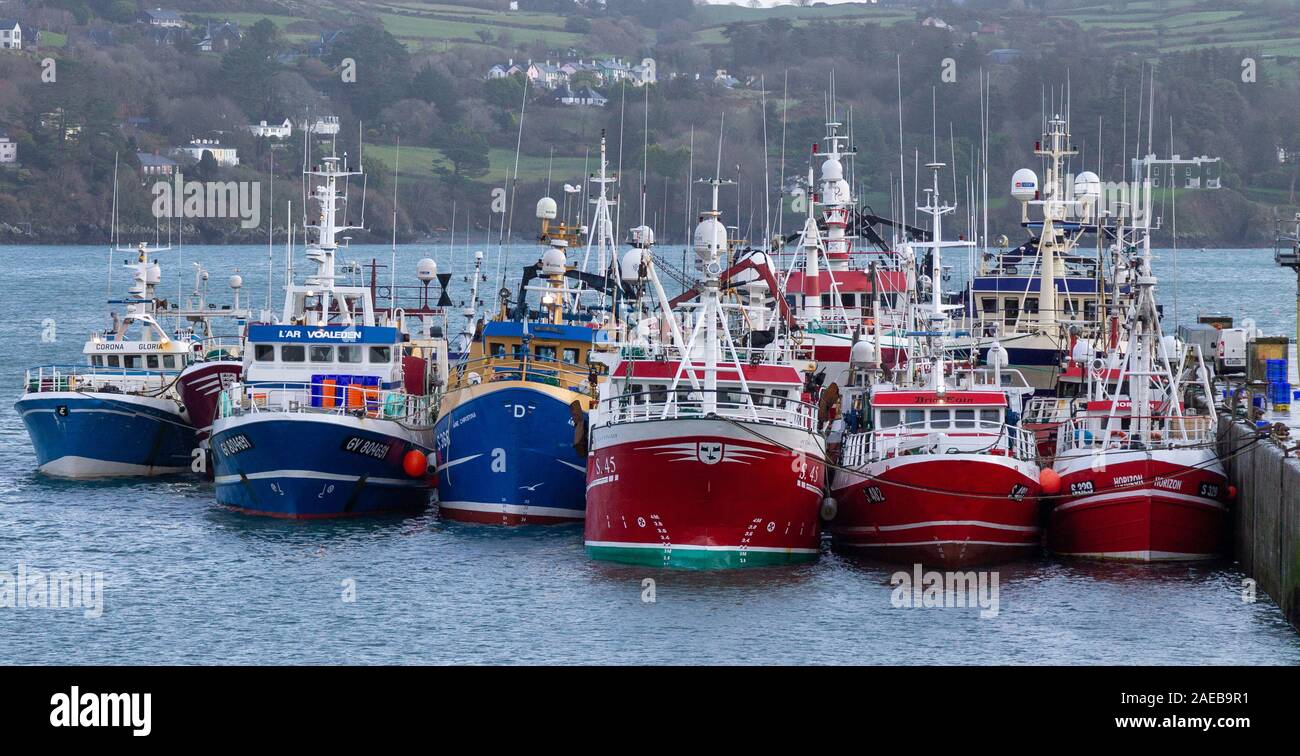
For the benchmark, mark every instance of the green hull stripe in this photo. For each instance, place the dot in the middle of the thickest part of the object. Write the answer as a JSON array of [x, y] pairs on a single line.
[[697, 559]]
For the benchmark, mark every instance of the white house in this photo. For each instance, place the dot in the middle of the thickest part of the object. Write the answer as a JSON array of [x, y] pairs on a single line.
[[155, 165], [11, 35], [323, 126], [225, 156], [8, 150], [163, 18], [1181, 173], [272, 131]]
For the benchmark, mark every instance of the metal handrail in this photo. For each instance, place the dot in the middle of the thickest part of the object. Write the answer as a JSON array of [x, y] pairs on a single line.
[[54, 378], [334, 399], [555, 372], [918, 438], [662, 404], [1164, 431]]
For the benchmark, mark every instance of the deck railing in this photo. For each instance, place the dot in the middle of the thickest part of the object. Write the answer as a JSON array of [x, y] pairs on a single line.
[[327, 398], [972, 437], [732, 404], [513, 367], [48, 378], [1089, 433]]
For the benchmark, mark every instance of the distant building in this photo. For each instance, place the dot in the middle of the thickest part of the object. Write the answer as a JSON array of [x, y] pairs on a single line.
[[1181, 173], [586, 96], [1004, 56], [11, 34], [934, 22], [723, 79], [325, 45], [225, 156], [155, 165], [220, 37], [272, 131], [8, 150], [557, 74], [161, 17], [322, 126]]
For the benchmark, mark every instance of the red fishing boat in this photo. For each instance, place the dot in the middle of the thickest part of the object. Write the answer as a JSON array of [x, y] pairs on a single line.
[[933, 467], [703, 451]]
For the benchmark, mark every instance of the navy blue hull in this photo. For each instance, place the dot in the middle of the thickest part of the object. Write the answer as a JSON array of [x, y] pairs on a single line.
[[96, 434], [507, 457], [298, 466]]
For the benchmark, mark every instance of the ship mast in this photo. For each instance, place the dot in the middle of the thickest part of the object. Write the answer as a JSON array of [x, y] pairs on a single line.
[[1055, 147]]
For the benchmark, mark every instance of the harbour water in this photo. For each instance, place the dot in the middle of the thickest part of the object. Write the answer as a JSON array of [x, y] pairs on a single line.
[[186, 582]]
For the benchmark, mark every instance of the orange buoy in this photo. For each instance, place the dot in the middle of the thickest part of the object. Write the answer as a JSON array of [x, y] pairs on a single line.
[[1050, 481], [415, 463]]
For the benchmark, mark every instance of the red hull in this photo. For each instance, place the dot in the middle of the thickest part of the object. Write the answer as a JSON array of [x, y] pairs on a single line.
[[1142, 510], [703, 493], [906, 511], [200, 385]]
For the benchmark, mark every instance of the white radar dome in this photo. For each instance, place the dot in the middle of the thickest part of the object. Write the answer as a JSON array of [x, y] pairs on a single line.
[[1024, 184], [236, 281], [710, 239], [630, 267], [553, 262], [642, 236], [426, 269], [1087, 185], [546, 208], [832, 170], [998, 356]]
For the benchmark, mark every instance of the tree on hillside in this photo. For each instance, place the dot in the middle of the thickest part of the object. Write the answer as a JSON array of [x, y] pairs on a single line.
[[432, 84], [381, 65], [467, 149], [247, 71]]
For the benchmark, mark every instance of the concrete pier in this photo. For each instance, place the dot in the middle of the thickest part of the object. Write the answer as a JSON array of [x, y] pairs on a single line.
[[1266, 513]]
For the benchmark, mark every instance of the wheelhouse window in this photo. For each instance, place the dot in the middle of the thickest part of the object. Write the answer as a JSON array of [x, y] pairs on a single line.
[[169, 361], [889, 418], [545, 352], [1031, 305], [381, 354], [113, 361], [131, 361], [848, 300], [989, 305], [349, 353], [96, 360], [321, 353], [1089, 309], [1011, 308], [264, 352], [991, 415], [965, 418], [915, 416], [293, 353], [571, 355], [151, 361], [658, 392], [497, 349], [939, 418]]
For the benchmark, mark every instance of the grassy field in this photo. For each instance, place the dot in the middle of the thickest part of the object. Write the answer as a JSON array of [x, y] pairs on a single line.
[[1179, 25], [417, 164]]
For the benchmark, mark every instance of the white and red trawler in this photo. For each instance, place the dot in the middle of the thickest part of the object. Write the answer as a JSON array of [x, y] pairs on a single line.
[[1139, 475], [933, 467], [835, 295], [702, 452]]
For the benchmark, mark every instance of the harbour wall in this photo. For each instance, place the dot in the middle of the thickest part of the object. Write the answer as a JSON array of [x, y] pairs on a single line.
[[1266, 513]]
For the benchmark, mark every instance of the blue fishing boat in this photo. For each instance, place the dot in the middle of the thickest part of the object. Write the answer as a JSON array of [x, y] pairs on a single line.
[[322, 424], [119, 413], [511, 431]]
